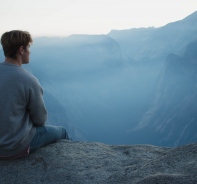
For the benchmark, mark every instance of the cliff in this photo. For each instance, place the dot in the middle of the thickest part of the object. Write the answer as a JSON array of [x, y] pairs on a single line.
[[83, 162], [171, 119]]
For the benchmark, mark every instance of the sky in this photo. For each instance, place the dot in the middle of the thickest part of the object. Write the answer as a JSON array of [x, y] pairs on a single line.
[[65, 17]]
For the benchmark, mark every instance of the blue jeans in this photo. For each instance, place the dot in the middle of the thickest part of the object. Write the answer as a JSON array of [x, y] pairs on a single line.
[[46, 135]]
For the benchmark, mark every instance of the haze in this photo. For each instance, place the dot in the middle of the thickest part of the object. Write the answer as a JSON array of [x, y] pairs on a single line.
[[66, 17]]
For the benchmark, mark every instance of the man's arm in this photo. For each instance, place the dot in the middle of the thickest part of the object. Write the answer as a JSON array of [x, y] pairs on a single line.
[[36, 106]]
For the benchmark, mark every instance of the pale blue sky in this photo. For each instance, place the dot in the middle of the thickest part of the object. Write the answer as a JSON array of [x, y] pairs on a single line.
[[66, 17]]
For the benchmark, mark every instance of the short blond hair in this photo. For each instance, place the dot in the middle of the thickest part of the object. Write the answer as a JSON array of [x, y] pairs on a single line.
[[11, 41]]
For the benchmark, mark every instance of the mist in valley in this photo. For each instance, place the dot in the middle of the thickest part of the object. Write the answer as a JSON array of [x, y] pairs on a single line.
[[126, 87]]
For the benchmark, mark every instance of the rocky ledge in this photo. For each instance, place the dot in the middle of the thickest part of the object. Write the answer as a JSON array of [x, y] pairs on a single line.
[[73, 162]]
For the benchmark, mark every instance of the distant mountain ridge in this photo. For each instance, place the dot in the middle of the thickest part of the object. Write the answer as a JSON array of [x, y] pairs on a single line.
[[76, 54], [152, 43]]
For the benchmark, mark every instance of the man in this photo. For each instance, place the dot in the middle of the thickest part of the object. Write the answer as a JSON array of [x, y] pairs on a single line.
[[22, 110]]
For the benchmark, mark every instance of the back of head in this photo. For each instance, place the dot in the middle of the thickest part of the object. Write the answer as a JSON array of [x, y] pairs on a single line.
[[11, 41]]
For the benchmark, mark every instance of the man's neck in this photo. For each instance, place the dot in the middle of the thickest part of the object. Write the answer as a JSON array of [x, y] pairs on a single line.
[[16, 61]]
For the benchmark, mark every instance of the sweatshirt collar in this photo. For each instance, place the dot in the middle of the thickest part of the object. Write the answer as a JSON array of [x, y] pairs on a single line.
[[10, 64]]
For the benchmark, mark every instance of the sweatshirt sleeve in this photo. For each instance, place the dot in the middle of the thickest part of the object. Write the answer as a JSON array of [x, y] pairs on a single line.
[[35, 105]]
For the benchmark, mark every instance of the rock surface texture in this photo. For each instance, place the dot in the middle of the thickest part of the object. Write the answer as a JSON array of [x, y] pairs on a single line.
[[73, 162]]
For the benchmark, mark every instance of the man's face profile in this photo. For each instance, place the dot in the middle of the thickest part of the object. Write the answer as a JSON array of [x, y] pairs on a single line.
[[25, 56]]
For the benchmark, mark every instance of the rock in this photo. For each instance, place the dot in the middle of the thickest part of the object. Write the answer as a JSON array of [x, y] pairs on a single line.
[[73, 162]]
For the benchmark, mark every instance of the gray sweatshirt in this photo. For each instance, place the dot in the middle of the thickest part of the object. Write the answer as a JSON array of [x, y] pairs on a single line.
[[21, 108]]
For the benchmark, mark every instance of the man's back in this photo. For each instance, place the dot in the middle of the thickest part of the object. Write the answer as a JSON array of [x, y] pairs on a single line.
[[21, 107], [22, 110]]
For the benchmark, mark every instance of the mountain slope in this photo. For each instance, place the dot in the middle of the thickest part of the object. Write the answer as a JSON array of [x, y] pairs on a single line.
[[150, 44], [172, 119], [57, 115]]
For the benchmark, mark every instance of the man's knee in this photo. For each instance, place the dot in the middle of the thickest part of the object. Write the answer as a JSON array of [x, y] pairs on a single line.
[[58, 132], [66, 134]]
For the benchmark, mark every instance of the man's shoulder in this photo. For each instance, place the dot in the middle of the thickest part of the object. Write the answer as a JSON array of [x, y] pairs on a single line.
[[26, 73], [27, 77]]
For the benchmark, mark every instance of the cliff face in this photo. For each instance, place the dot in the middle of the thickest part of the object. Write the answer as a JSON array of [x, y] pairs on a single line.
[[82, 162], [172, 117]]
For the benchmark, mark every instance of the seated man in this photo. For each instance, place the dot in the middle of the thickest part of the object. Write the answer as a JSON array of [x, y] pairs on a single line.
[[22, 110]]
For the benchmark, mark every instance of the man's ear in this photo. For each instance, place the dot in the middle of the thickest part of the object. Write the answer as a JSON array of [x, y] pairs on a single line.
[[21, 50]]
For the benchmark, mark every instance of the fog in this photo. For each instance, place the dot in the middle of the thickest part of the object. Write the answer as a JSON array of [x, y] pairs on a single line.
[[134, 86], [103, 93]]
